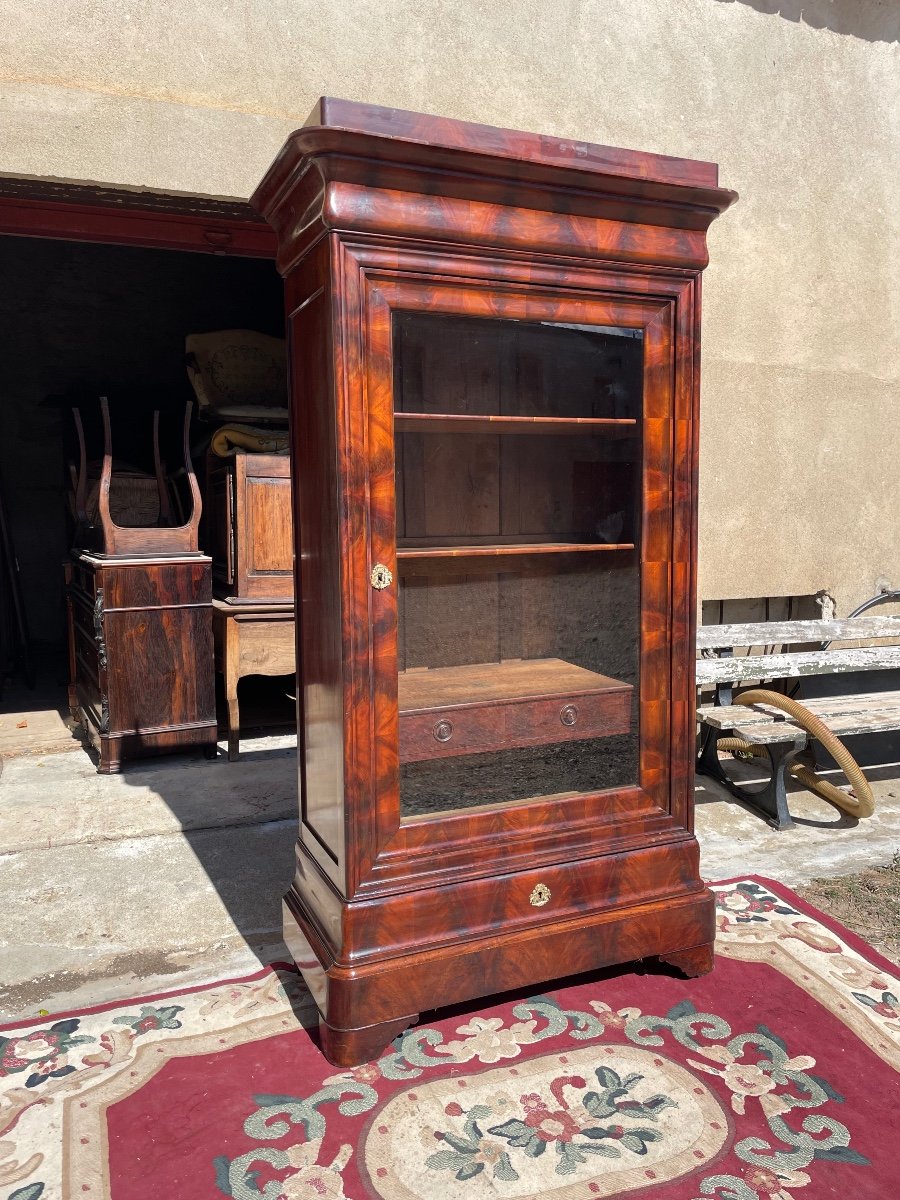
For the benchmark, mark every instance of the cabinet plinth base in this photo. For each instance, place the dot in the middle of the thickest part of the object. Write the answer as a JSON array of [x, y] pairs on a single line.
[[114, 750], [352, 1047], [365, 1001]]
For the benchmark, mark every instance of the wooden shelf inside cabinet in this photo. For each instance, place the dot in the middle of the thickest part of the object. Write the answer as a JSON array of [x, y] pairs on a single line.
[[495, 549], [448, 711], [612, 427], [493, 556]]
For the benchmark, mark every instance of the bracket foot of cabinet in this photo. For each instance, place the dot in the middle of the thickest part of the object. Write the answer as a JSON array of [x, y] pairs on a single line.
[[352, 1047], [698, 960]]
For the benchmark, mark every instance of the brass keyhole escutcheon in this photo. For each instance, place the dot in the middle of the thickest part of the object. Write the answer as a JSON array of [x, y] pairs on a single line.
[[539, 896], [568, 714], [381, 577], [443, 731]]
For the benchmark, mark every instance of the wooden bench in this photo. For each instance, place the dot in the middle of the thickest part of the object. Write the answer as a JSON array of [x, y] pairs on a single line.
[[783, 738]]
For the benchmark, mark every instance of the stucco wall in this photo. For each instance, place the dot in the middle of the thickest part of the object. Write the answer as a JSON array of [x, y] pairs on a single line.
[[798, 101]]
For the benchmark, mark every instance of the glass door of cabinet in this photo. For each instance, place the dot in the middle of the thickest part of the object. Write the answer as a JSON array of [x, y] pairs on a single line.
[[518, 450]]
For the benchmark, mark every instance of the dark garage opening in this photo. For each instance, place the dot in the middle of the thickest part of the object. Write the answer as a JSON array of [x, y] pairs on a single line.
[[81, 320]]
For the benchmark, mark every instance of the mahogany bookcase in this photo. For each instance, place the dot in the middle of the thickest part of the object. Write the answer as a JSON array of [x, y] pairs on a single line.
[[494, 357]]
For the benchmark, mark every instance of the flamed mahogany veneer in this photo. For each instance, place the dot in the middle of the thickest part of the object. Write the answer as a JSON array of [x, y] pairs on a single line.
[[494, 389]]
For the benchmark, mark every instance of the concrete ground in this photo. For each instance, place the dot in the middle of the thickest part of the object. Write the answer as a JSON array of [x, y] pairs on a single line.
[[172, 872], [35, 720], [164, 875]]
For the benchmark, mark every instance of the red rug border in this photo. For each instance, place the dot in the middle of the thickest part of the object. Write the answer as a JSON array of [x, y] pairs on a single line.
[[853, 940]]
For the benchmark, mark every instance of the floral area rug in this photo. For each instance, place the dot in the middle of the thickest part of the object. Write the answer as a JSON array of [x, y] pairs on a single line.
[[773, 1078]]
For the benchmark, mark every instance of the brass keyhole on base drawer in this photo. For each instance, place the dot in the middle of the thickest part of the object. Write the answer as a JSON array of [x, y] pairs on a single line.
[[539, 896], [443, 731], [568, 714]]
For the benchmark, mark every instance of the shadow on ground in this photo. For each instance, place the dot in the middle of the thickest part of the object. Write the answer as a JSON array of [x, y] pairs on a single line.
[[871, 20], [168, 873]]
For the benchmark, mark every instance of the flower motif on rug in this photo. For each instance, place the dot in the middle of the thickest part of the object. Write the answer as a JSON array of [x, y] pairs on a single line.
[[564, 1127], [43, 1054], [563, 1099], [759, 1079], [887, 1006], [770, 1185], [150, 1018], [487, 1040], [592, 1114], [747, 901]]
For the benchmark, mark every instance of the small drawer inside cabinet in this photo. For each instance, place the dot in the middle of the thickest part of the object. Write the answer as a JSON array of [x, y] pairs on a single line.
[[443, 733], [568, 718], [497, 706]]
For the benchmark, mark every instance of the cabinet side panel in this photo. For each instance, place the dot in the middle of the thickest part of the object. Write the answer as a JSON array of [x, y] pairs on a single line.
[[317, 565], [684, 692]]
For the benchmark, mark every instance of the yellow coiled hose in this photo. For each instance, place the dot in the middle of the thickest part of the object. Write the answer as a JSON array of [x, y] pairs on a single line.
[[859, 802]]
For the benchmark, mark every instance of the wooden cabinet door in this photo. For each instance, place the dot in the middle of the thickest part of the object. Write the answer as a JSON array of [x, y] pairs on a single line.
[[528, 469]]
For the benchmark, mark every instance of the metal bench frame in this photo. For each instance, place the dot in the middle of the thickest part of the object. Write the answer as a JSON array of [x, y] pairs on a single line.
[[724, 670], [769, 800]]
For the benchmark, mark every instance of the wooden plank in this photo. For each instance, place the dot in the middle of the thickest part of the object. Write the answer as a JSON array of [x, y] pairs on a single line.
[[780, 633], [827, 707], [793, 666], [726, 716], [870, 712], [786, 731], [771, 734]]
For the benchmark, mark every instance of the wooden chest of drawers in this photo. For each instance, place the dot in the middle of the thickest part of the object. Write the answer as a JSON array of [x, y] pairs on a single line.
[[141, 654]]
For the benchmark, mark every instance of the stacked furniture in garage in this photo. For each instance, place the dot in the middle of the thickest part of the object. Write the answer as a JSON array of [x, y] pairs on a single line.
[[139, 605]]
